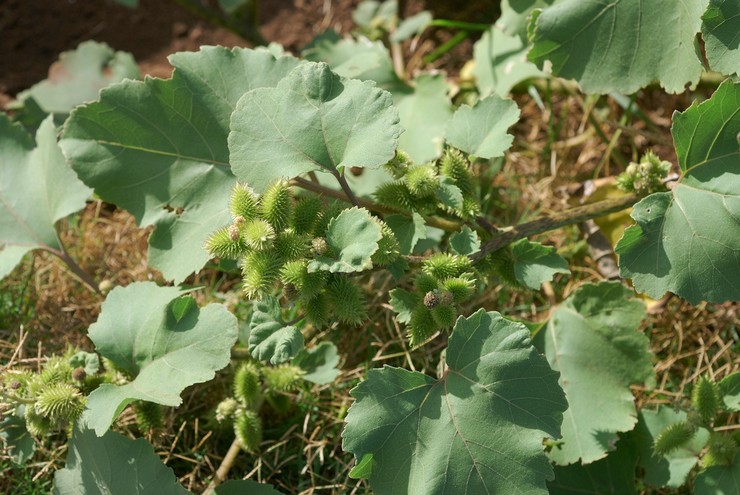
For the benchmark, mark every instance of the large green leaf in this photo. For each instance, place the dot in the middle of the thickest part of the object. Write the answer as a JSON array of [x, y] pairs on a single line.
[[672, 469], [37, 189], [729, 388], [592, 340], [424, 115], [619, 45], [270, 338], [352, 238], [408, 230], [138, 331], [158, 148], [535, 264], [477, 429], [687, 241], [312, 120], [614, 475], [481, 130], [501, 62], [721, 33], [515, 15], [113, 464], [78, 76], [719, 480]]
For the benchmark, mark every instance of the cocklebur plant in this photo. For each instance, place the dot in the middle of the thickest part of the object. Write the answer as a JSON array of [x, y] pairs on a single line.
[[645, 177], [707, 410], [253, 386]]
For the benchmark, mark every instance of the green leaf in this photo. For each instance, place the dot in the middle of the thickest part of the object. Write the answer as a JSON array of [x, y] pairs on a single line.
[[687, 241], [403, 303], [17, 441], [592, 340], [465, 242], [424, 115], [501, 62], [139, 334], [449, 194], [158, 148], [407, 230], [411, 26], [621, 45], [78, 76], [89, 361], [312, 120], [113, 464], [37, 189], [319, 363], [729, 389], [672, 469], [477, 429], [353, 238], [535, 264], [245, 487], [614, 475], [362, 469], [719, 480], [270, 339], [481, 130], [515, 15], [182, 306], [720, 33]]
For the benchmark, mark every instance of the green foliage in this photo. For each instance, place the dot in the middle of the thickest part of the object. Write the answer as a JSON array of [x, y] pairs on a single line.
[[620, 46], [687, 241], [501, 61], [592, 340], [718, 480], [437, 435], [719, 32], [351, 123], [270, 338], [481, 130], [38, 189], [352, 238], [162, 355]]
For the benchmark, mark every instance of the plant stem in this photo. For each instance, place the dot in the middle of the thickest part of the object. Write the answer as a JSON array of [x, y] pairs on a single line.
[[225, 467], [75, 268], [470, 26], [440, 223], [345, 187], [555, 221]]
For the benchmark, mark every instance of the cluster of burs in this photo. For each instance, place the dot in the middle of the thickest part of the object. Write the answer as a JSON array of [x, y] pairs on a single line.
[[54, 397], [275, 236]]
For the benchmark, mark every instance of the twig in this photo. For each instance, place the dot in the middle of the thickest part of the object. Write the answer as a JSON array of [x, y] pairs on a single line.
[[345, 187], [75, 268], [555, 221], [225, 467]]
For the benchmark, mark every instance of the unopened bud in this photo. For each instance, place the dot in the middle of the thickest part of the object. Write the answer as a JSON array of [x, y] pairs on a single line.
[[79, 374]]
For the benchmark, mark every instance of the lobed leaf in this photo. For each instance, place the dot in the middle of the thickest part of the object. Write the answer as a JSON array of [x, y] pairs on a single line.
[[501, 62], [535, 264], [477, 429], [139, 333], [687, 241], [312, 120], [592, 340], [720, 28], [319, 363], [158, 148], [719, 480], [353, 238], [270, 339], [481, 130], [37, 189], [620, 45]]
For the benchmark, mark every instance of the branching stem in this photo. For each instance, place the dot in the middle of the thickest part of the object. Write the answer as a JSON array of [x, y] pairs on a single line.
[[345, 187], [554, 221]]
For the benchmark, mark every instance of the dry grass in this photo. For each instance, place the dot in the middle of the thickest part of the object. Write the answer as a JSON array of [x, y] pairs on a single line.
[[555, 147]]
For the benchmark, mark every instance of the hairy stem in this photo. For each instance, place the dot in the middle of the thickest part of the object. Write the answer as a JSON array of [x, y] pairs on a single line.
[[440, 223], [225, 467], [554, 221]]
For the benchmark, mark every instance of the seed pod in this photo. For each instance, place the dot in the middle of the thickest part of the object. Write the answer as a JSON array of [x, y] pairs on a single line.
[[306, 284], [36, 424], [306, 214], [705, 398], [276, 205], [291, 245], [247, 383], [388, 248], [233, 231], [721, 450], [243, 202], [347, 301], [673, 437], [148, 416], [284, 378], [60, 401], [260, 271], [317, 310], [79, 374], [444, 316], [422, 180], [455, 166], [444, 265], [431, 300], [422, 327], [258, 234], [248, 430], [460, 288], [220, 244], [226, 409], [425, 283]]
